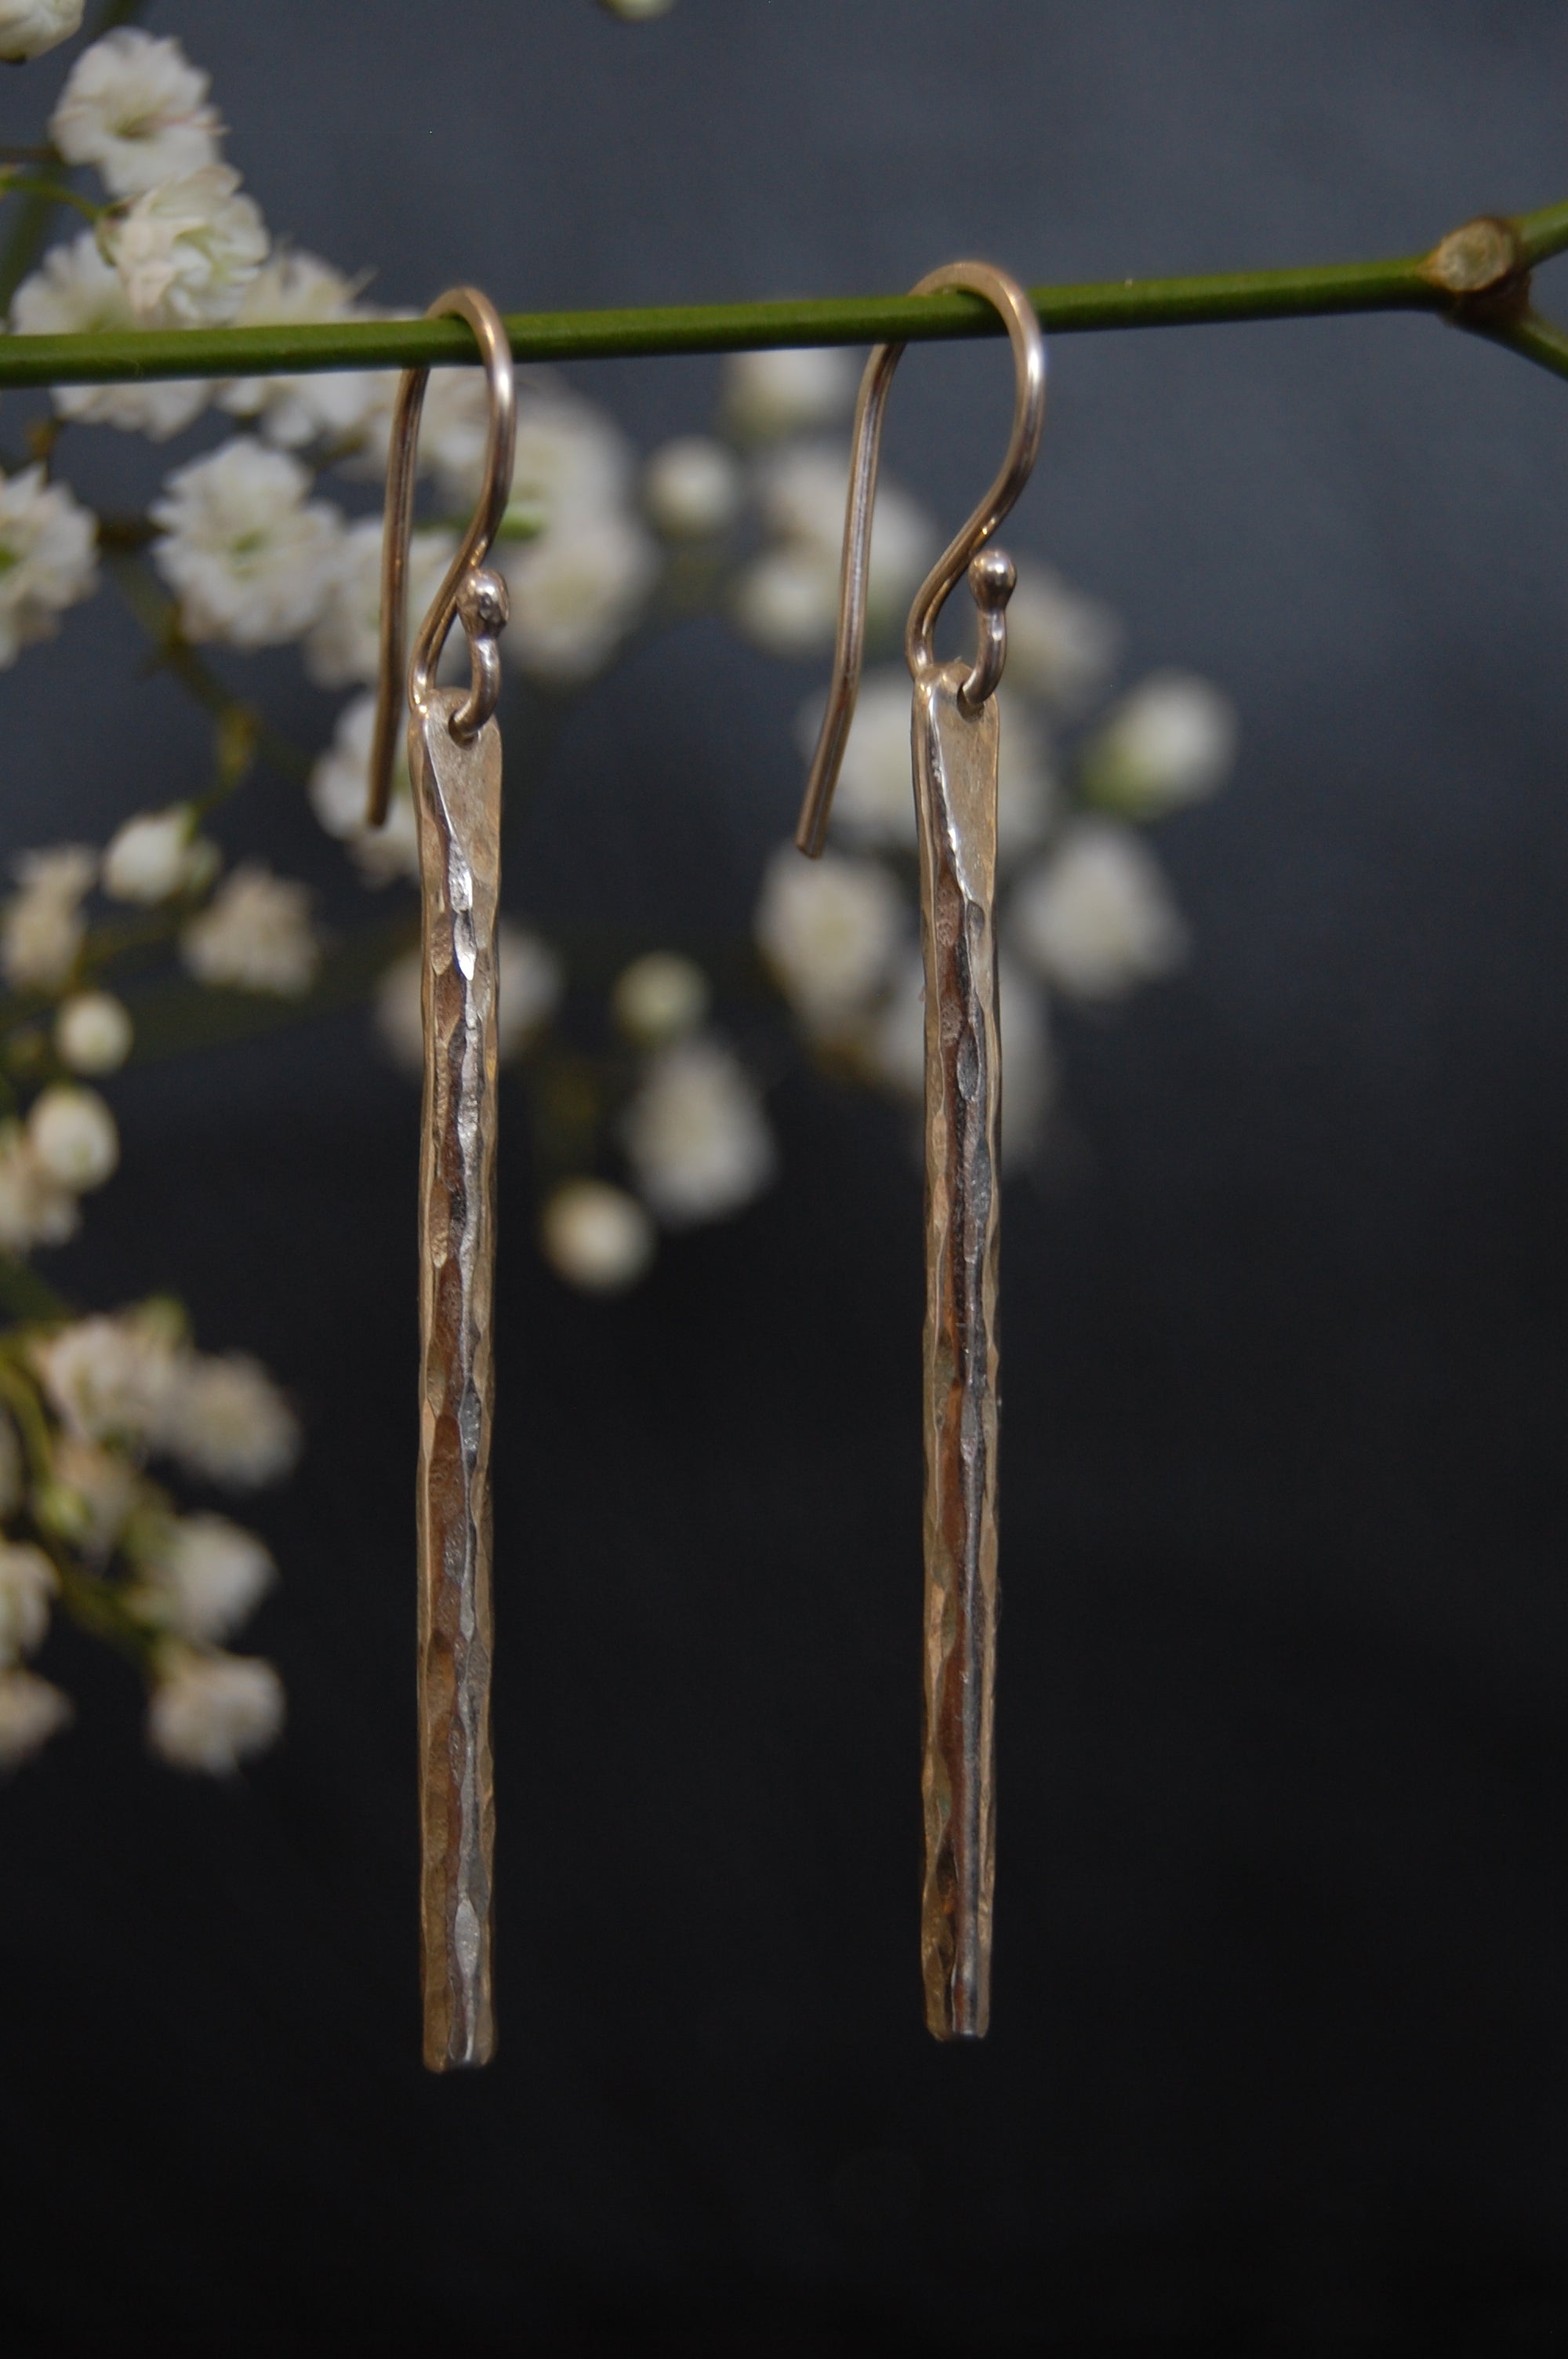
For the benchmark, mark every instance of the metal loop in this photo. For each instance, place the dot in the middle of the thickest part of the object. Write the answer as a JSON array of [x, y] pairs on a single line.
[[992, 581], [470, 594]]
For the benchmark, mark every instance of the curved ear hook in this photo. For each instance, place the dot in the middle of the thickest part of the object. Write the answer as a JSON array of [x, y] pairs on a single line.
[[471, 594], [992, 576]]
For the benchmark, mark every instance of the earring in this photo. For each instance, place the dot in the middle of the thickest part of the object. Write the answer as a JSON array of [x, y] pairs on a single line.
[[955, 746], [454, 767]]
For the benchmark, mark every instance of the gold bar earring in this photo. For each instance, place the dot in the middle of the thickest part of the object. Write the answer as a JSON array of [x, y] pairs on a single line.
[[956, 746], [454, 767]]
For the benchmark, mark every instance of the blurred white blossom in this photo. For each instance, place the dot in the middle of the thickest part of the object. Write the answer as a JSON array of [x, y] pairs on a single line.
[[224, 1419], [769, 395], [249, 554], [696, 1134], [156, 855], [92, 1034], [137, 108], [210, 1711], [660, 997], [595, 1236], [693, 487], [576, 592], [343, 644], [187, 250], [203, 1576], [829, 929], [28, 27], [31, 1712], [75, 292], [27, 1581], [1169, 741], [35, 1210], [334, 406], [254, 935], [1098, 919], [339, 790], [92, 1496], [47, 558], [1060, 644], [72, 1136], [110, 1378], [42, 928], [787, 599]]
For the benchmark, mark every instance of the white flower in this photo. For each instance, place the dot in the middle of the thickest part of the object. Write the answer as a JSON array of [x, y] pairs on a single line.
[[41, 927], [787, 599], [91, 1498], [339, 785], [187, 250], [696, 1134], [528, 989], [874, 800], [767, 395], [203, 1576], [209, 1711], [829, 929], [659, 997], [92, 1034], [27, 1581], [335, 406], [575, 595], [571, 460], [693, 487], [249, 555], [28, 27], [34, 1209], [254, 935], [344, 644], [136, 107], [157, 854], [226, 1421], [110, 1378], [72, 1133], [31, 1710], [47, 559], [1060, 644], [1171, 741], [1097, 920], [595, 1236], [76, 293]]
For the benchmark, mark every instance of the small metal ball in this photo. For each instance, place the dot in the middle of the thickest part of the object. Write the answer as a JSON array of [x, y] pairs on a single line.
[[482, 603], [993, 577]]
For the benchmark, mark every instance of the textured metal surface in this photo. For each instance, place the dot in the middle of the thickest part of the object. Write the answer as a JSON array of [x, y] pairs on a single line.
[[956, 800], [457, 790]]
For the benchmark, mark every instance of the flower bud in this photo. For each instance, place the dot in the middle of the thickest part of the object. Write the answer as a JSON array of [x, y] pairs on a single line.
[[153, 857], [595, 1236], [72, 1133], [692, 487], [92, 1033], [659, 997]]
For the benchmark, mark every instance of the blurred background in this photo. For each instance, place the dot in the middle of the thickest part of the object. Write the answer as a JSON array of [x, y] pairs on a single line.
[[1277, 2062]]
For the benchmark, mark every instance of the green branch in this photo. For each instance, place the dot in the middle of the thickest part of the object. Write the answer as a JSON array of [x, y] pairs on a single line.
[[1476, 276]]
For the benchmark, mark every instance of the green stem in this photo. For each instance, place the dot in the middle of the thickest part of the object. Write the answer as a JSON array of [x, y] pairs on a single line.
[[237, 720], [1407, 283]]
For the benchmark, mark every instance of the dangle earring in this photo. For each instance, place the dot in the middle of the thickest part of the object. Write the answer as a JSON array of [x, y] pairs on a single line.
[[454, 767], [955, 747]]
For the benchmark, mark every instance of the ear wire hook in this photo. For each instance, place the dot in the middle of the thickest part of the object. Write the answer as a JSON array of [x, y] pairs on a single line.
[[471, 594], [991, 575]]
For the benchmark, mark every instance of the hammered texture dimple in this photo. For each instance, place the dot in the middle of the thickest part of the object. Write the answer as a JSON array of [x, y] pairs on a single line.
[[956, 799], [457, 792]]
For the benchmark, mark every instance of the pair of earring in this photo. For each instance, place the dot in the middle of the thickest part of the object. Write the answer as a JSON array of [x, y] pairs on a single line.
[[454, 762]]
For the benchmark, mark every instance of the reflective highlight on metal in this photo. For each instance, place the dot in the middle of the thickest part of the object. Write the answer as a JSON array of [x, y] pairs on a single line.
[[956, 748], [454, 768]]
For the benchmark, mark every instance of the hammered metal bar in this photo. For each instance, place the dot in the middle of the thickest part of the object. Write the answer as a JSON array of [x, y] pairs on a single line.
[[457, 794], [956, 799]]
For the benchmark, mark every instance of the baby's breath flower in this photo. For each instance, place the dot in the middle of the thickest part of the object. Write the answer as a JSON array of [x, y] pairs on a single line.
[[27, 1581], [254, 935], [42, 928], [28, 27], [92, 1033], [210, 1711], [75, 292], [829, 929], [34, 1209], [73, 1138], [660, 997], [1171, 741], [595, 1236], [203, 1576], [249, 555], [787, 599], [91, 1498], [768, 395], [343, 645], [1060, 644], [187, 250], [340, 785], [109, 1378], [575, 593], [137, 108], [31, 1712], [571, 460], [225, 1421], [1097, 920], [157, 854], [332, 406], [47, 559], [696, 1134], [693, 487]]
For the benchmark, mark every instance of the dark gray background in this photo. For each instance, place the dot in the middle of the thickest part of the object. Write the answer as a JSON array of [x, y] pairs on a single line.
[[1278, 2060]]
